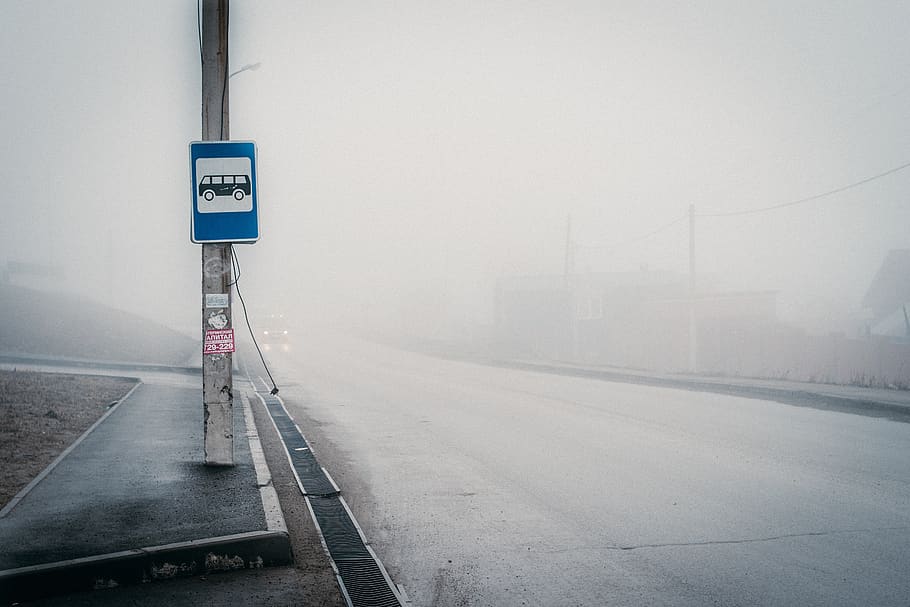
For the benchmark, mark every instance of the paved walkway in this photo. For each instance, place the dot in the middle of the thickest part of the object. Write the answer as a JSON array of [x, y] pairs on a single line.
[[132, 501], [872, 402]]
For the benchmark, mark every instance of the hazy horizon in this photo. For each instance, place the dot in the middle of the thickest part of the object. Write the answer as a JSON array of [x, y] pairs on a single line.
[[410, 154]]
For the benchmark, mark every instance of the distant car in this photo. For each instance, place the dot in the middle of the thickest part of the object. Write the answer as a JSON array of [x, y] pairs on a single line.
[[237, 186], [274, 335], [275, 331]]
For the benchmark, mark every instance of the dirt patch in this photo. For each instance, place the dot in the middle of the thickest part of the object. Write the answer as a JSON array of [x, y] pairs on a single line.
[[41, 414]]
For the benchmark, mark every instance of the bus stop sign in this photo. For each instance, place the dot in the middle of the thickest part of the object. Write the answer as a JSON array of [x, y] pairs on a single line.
[[225, 203]]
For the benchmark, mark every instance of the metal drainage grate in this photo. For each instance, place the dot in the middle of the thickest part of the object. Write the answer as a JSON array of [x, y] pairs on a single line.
[[363, 579], [366, 583], [311, 478], [341, 535]]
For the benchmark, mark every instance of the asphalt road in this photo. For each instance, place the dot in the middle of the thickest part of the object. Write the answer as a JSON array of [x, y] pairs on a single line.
[[491, 486]]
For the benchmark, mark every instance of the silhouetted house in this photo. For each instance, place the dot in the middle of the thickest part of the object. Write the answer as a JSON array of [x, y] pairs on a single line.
[[887, 302], [621, 315], [532, 316], [594, 317], [629, 319]]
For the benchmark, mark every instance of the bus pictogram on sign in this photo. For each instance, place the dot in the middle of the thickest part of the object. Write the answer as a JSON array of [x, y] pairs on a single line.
[[237, 186]]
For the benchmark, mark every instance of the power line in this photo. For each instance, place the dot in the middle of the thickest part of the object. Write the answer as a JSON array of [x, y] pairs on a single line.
[[808, 198], [199, 28], [791, 203]]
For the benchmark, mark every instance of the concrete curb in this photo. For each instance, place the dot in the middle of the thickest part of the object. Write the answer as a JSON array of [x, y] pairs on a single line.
[[197, 557], [274, 518]]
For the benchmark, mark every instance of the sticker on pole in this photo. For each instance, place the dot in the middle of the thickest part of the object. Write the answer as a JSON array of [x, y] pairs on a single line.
[[225, 203], [217, 300], [218, 341]]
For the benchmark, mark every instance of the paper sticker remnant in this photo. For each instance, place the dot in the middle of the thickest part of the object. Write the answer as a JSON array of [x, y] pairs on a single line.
[[216, 300], [217, 320], [217, 342]]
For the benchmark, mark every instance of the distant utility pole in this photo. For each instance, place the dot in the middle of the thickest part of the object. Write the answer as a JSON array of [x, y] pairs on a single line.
[[568, 269], [567, 265], [693, 324], [217, 380]]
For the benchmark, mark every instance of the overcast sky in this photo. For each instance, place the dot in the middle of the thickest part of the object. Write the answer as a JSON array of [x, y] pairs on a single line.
[[411, 152]]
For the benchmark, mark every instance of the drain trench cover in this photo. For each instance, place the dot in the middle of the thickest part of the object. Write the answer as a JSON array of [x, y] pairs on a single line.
[[363, 579]]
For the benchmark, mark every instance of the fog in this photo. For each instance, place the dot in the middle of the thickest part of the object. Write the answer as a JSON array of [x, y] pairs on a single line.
[[412, 153]]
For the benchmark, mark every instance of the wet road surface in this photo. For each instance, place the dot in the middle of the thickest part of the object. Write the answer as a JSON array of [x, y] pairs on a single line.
[[492, 486]]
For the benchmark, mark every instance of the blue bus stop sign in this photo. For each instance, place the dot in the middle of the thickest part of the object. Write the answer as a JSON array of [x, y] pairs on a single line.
[[225, 203]]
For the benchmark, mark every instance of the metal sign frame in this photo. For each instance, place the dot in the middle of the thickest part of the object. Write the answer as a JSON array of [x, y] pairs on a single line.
[[225, 201]]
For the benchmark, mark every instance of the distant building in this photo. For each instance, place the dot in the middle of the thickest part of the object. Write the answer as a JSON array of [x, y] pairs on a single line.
[[641, 320], [531, 317], [629, 319], [887, 302]]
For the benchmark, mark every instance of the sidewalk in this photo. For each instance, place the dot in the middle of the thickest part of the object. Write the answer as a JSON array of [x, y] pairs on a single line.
[[132, 502], [872, 402]]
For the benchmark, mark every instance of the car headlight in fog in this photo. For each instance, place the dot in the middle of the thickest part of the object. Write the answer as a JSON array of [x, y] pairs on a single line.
[[265, 332], [285, 332]]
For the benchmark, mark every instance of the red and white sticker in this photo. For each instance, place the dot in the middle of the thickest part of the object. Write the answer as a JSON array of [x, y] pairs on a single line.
[[218, 341]]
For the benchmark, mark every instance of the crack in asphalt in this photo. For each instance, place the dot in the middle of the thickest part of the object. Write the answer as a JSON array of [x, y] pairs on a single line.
[[772, 538]]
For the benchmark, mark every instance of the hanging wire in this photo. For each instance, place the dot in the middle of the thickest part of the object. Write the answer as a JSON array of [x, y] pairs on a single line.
[[235, 263], [224, 85], [199, 28], [792, 203]]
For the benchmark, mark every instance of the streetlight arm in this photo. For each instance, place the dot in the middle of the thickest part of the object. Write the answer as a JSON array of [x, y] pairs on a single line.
[[251, 67]]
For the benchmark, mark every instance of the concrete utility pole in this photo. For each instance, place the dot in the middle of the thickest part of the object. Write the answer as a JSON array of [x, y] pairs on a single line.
[[693, 324], [217, 380], [567, 263], [568, 284]]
